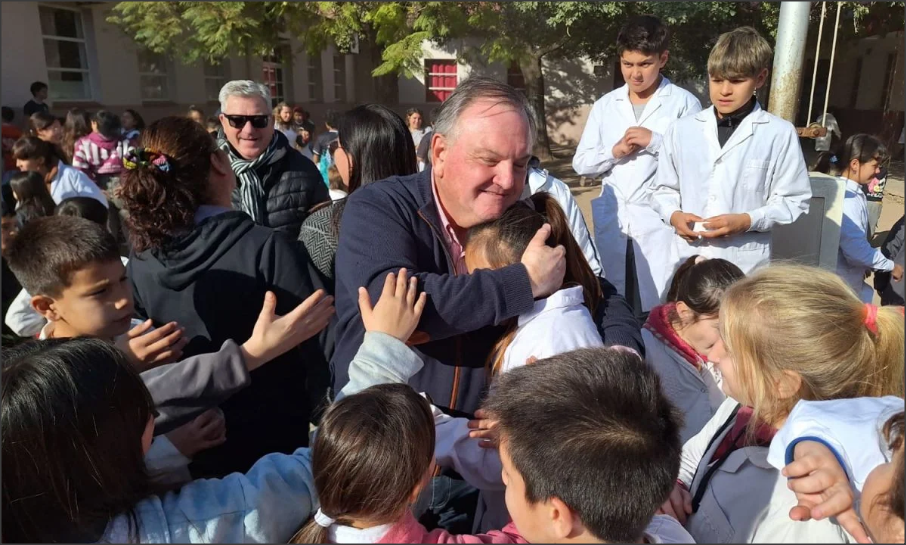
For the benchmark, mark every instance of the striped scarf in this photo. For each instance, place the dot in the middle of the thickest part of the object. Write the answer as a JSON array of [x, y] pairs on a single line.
[[251, 188]]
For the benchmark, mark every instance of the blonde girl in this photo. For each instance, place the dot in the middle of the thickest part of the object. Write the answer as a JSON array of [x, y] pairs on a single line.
[[787, 333]]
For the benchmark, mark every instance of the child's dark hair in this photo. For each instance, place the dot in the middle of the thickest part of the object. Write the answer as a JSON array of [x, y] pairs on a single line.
[[589, 426], [83, 207], [33, 200], [331, 118], [161, 205], [36, 87], [32, 147], [40, 121], [644, 33], [77, 125], [371, 451], [212, 123], [379, 143], [8, 114], [109, 124], [503, 241], [73, 415], [49, 250], [139, 120], [861, 147], [700, 283], [893, 500]]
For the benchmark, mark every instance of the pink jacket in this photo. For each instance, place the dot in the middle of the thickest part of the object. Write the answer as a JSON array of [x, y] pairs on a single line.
[[95, 155], [408, 530]]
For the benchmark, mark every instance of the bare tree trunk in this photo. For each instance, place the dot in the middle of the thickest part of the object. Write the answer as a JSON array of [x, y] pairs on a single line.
[[534, 86], [386, 88]]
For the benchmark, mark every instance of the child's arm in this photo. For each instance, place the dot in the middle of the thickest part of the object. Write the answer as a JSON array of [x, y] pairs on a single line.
[[789, 189], [184, 389], [594, 157], [454, 447], [165, 464], [384, 357], [858, 251], [822, 487], [664, 189]]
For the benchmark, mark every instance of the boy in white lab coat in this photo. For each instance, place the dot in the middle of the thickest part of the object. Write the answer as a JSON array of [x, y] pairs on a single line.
[[727, 175], [620, 144]]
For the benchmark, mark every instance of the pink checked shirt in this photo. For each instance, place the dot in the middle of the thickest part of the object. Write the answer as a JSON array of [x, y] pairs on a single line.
[[453, 245]]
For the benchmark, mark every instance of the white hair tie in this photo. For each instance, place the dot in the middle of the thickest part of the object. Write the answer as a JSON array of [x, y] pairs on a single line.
[[699, 259], [323, 520]]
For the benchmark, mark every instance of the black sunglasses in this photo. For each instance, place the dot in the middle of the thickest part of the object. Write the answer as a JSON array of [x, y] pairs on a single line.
[[239, 121]]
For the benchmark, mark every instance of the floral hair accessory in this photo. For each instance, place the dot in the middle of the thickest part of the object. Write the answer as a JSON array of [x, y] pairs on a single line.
[[145, 157]]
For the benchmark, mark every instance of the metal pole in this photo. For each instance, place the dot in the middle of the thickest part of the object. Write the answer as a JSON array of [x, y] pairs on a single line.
[[789, 53]]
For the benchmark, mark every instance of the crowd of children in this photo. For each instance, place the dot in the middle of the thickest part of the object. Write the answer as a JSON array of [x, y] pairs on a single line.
[[766, 404]]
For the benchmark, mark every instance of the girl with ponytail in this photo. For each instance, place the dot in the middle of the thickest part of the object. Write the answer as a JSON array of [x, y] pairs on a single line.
[[559, 323], [782, 341], [857, 164]]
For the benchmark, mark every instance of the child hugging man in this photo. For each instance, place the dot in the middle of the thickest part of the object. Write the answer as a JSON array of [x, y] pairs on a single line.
[[620, 144], [727, 175]]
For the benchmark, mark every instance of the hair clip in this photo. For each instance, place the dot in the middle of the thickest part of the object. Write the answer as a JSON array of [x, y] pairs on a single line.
[[871, 318], [143, 157], [833, 159], [323, 520]]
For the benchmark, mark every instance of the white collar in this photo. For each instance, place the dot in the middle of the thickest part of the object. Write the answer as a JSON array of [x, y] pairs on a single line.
[[851, 185], [347, 534], [662, 89], [564, 298]]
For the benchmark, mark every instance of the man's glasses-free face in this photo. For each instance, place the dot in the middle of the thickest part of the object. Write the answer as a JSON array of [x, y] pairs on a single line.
[[239, 121]]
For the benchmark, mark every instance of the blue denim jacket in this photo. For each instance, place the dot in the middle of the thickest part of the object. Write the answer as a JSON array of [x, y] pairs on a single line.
[[270, 502]]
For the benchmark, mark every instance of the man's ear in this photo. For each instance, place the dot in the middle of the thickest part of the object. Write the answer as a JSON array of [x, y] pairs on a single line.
[[438, 153], [45, 306], [564, 523]]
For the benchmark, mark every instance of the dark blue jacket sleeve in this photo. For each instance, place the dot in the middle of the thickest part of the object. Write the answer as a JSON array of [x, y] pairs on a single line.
[[616, 321]]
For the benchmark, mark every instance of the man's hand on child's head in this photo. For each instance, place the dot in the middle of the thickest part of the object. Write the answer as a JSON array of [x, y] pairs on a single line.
[[640, 137], [146, 349], [274, 335], [484, 428], [683, 222], [206, 431], [726, 225], [398, 310], [822, 488], [546, 266]]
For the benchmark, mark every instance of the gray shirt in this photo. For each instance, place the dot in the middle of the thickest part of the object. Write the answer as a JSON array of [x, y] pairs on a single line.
[[637, 109]]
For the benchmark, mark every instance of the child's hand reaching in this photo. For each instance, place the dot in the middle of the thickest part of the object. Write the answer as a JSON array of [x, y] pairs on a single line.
[[484, 428], [206, 431], [398, 310], [822, 488], [147, 349], [679, 504], [274, 335]]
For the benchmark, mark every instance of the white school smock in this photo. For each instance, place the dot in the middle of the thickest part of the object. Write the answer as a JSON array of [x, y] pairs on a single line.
[[623, 208], [856, 256], [759, 171], [556, 324], [849, 427], [540, 180], [746, 499], [696, 393], [72, 182]]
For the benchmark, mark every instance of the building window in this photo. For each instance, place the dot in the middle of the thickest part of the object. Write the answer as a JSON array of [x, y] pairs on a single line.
[[339, 78], [440, 79], [272, 75], [215, 77], [514, 77], [153, 75], [65, 53]]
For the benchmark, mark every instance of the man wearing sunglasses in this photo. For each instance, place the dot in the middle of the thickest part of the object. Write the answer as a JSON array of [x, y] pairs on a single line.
[[276, 185]]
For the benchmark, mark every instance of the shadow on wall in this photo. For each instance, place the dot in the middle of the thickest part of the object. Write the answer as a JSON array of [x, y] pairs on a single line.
[[570, 90]]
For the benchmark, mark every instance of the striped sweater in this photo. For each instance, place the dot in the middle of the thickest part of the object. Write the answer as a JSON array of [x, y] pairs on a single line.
[[96, 155]]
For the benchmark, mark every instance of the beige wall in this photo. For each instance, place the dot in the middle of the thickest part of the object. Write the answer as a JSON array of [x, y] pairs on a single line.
[[23, 53], [874, 52]]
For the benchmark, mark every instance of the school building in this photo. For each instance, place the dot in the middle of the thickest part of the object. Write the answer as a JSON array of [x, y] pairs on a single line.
[[92, 64]]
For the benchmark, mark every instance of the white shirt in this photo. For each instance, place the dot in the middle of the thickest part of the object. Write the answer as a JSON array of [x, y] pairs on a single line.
[[624, 208], [557, 324], [849, 427], [666, 529], [540, 180], [418, 134], [337, 194], [760, 171], [72, 182], [347, 534], [856, 256]]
